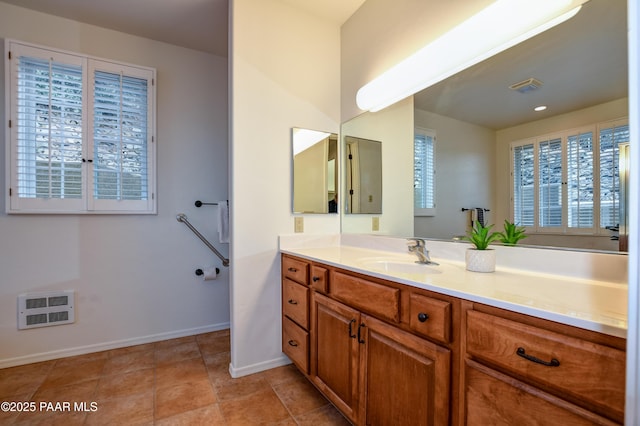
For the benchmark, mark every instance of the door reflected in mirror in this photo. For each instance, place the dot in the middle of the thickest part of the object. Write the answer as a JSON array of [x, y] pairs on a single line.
[[315, 177], [363, 175]]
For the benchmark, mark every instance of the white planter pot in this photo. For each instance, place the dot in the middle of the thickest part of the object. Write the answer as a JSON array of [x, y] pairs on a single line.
[[480, 260]]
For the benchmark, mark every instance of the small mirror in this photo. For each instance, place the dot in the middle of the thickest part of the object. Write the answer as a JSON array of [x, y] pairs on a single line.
[[315, 176], [363, 175]]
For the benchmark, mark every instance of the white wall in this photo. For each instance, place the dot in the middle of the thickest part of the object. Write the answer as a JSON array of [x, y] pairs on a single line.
[[632, 407], [285, 70], [465, 175], [134, 275]]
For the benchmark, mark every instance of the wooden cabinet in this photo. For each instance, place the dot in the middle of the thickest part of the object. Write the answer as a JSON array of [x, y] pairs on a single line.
[[335, 359], [493, 398], [295, 311], [430, 317], [573, 376], [366, 352], [404, 379], [385, 353]]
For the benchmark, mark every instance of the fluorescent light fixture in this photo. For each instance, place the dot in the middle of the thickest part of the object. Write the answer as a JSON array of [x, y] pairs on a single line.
[[501, 25], [305, 138], [540, 108]]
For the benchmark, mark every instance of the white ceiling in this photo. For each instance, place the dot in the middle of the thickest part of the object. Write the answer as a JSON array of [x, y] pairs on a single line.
[[195, 24], [581, 62]]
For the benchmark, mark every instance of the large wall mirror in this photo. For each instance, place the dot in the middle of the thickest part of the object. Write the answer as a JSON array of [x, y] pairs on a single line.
[[315, 171], [581, 67]]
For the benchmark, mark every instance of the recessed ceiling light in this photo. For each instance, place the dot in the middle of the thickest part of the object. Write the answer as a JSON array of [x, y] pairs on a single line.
[[540, 108]]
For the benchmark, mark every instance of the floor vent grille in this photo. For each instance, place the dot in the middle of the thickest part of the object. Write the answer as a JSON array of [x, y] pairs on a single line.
[[45, 309]]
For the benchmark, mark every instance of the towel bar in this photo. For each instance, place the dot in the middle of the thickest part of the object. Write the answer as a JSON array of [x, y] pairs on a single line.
[[199, 203], [183, 218]]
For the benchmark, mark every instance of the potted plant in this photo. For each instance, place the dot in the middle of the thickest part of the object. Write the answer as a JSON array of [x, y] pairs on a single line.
[[481, 258], [512, 233]]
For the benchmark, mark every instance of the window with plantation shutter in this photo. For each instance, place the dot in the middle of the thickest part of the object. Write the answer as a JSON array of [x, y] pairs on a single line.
[[612, 135], [80, 136], [580, 180], [424, 172], [523, 185], [568, 182], [550, 183]]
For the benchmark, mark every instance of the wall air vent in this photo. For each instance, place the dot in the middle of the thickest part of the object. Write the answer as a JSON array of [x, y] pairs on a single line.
[[526, 86], [45, 309]]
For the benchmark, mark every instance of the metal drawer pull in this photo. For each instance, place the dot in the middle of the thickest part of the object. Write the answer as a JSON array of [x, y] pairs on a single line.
[[422, 317], [293, 270], [315, 279], [351, 333], [293, 343], [293, 302], [553, 363], [360, 340]]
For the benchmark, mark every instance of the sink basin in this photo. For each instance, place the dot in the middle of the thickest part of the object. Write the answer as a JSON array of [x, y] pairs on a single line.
[[404, 267]]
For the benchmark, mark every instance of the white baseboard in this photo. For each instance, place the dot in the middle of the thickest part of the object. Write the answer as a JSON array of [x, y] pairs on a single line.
[[81, 350], [256, 368]]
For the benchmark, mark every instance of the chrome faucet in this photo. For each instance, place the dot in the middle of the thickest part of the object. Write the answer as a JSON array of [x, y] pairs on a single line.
[[417, 246]]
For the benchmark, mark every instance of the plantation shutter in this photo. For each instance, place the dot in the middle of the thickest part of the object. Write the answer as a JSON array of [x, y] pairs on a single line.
[[47, 128], [424, 172], [580, 180], [610, 140], [80, 133], [523, 185], [550, 183], [121, 139]]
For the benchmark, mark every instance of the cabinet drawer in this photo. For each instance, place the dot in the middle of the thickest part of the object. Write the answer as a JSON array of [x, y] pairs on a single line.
[[492, 398], [297, 270], [319, 279], [575, 368], [430, 317], [295, 344], [295, 302], [377, 299]]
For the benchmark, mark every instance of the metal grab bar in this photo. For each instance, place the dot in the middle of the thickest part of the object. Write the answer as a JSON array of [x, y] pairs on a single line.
[[183, 218]]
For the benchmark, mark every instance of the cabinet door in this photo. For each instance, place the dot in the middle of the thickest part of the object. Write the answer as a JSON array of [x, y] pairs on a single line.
[[493, 398], [334, 353], [405, 379]]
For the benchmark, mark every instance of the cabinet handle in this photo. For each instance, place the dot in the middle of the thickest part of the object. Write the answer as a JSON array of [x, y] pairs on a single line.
[[293, 302], [293, 343], [360, 339], [553, 363], [315, 279], [351, 333], [422, 317], [293, 270]]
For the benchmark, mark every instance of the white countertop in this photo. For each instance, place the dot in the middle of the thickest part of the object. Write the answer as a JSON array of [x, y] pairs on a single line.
[[585, 303]]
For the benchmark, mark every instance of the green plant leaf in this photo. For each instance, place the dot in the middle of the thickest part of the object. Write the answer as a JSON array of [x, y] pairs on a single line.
[[480, 236], [512, 233]]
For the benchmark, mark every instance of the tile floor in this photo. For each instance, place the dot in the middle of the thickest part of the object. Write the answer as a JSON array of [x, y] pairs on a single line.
[[182, 381]]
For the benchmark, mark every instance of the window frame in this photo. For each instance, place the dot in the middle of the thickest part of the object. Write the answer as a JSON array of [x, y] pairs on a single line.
[[427, 211], [87, 204], [564, 228]]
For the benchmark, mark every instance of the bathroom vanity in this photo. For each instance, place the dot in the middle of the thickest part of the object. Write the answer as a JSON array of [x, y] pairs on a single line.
[[392, 345]]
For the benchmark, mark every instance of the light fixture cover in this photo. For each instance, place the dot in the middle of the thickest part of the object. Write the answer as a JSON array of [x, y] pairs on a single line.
[[501, 25]]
